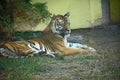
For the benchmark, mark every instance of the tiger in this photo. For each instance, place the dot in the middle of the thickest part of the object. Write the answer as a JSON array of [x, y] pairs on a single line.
[[53, 42]]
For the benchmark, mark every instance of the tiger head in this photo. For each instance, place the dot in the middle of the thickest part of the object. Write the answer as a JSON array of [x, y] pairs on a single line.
[[59, 25]]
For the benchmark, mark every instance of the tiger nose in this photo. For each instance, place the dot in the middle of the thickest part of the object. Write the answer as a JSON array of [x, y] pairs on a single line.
[[67, 31]]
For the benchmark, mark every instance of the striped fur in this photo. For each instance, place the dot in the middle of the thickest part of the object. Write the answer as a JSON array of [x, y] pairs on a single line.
[[51, 43]]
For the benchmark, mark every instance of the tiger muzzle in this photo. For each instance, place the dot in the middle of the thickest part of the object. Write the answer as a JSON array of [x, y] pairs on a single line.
[[64, 32]]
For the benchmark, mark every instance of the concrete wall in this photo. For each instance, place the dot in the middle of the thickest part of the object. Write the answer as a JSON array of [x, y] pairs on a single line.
[[84, 13]]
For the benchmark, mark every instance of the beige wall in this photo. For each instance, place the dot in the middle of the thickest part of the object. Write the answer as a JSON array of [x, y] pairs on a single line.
[[84, 13], [115, 11]]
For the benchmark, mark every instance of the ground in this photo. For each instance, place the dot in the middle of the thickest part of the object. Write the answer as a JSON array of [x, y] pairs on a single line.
[[102, 65]]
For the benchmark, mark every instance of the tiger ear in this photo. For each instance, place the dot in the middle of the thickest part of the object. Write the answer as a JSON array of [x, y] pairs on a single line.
[[53, 16], [67, 14]]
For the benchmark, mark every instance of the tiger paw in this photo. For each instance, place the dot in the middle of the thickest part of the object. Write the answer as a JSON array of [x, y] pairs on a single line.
[[91, 49], [52, 54]]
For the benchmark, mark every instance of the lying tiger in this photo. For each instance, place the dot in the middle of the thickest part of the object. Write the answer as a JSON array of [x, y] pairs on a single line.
[[54, 41]]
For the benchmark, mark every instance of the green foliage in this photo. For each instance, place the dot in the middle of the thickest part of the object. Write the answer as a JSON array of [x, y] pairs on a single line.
[[1, 9], [22, 4], [42, 9], [6, 21], [27, 35], [37, 12], [26, 1]]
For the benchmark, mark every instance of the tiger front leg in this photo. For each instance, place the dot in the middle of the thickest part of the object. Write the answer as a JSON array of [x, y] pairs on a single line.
[[81, 46], [72, 51], [51, 54]]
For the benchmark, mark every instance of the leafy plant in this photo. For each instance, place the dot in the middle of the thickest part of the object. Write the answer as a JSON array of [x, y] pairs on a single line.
[[5, 21], [13, 12], [30, 35]]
